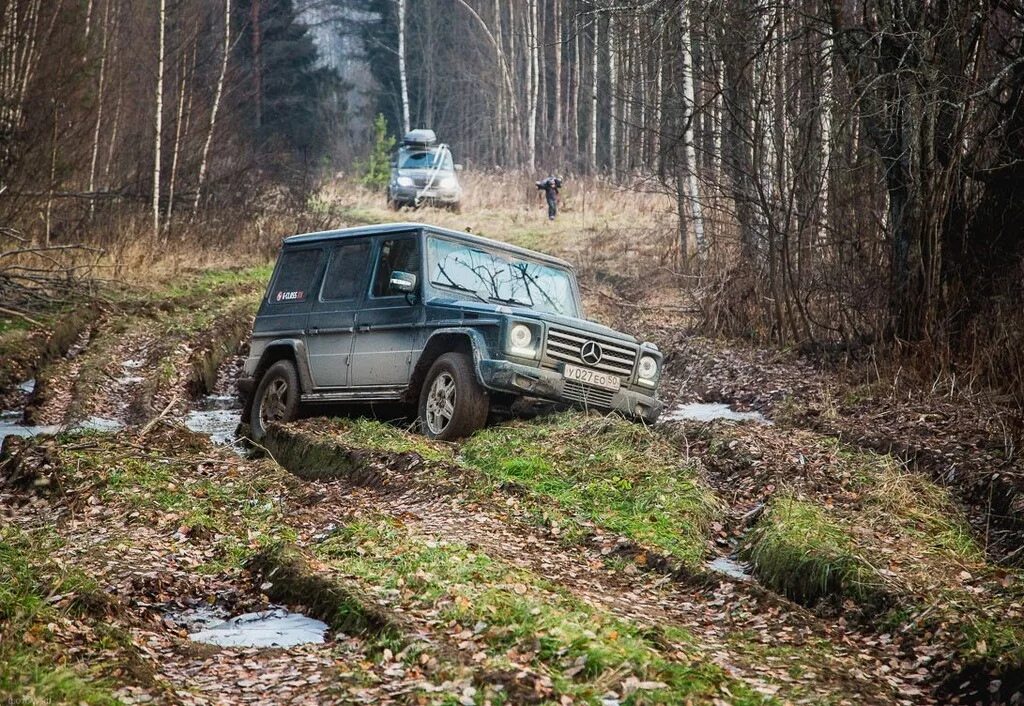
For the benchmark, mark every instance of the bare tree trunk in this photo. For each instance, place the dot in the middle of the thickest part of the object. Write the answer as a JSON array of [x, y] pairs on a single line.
[[534, 47], [577, 77], [216, 105], [53, 174], [159, 122], [257, 59], [825, 182], [613, 87], [692, 184], [177, 144], [503, 63], [595, 46], [402, 75], [557, 32], [115, 126], [99, 109]]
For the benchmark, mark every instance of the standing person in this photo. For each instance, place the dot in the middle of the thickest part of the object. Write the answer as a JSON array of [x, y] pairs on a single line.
[[551, 187]]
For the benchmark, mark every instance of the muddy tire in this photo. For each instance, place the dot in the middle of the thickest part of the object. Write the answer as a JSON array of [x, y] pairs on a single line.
[[276, 398], [394, 205], [452, 403]]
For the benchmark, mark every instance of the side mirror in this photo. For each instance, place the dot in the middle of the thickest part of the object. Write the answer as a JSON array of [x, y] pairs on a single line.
[[404, 282], [458, 167]]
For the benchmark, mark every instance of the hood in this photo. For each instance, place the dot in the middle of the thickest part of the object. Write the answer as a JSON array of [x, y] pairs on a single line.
[[478, 307]]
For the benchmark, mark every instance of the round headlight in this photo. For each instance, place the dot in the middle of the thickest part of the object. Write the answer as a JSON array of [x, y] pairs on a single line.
[[648, 369], [449, 183], [520, 336], [405, 181]]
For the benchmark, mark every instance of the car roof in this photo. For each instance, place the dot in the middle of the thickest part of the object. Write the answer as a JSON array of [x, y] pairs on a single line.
[[385, 228]]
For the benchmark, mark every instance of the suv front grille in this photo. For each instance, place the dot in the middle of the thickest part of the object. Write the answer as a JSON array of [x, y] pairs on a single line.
[[563, 345], [587, 395]]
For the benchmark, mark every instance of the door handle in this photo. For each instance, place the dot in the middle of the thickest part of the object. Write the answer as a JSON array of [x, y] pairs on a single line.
[[364, 327], [313, 331]]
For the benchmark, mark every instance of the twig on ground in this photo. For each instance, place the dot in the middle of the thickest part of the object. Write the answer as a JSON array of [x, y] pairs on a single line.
[[152, 422]]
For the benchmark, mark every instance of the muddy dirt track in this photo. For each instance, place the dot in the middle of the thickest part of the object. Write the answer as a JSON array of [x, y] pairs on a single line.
[[832, 556]]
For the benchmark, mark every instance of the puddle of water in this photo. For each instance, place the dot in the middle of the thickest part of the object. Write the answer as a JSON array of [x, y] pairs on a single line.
[[272, 628], [731, 568], [10, 425], [132, 364], [98, 424], [211, 402], [130, 379], [218, 424], [710, 411]]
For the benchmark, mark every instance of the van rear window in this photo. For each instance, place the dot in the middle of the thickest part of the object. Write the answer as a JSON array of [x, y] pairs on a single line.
[[295, 274]]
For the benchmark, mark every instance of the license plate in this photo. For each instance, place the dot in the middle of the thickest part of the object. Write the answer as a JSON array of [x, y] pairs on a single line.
[[591, 377]]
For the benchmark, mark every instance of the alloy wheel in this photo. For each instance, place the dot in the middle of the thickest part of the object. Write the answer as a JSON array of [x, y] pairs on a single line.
[[440, 403]]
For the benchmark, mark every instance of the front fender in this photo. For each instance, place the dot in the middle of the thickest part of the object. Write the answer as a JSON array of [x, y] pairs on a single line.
[[477, 343]]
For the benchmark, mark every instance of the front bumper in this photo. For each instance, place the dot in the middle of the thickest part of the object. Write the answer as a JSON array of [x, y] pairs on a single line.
[[409, 193], [506, 376]]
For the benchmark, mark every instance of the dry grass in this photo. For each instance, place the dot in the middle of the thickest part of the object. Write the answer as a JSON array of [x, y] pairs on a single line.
[[599, 221]]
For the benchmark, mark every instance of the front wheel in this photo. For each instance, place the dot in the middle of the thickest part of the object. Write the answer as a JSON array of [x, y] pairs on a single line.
[[452, 403], [276, 398]]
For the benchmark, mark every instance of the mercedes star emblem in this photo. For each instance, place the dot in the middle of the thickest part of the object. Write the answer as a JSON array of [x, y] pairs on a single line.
[[590, 353]]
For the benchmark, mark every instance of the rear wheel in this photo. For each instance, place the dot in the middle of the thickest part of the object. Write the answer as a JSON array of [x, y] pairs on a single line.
[[276, 398], [452, 403]]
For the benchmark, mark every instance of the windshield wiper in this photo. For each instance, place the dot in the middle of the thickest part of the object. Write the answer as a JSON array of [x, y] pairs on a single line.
[[511, 300]]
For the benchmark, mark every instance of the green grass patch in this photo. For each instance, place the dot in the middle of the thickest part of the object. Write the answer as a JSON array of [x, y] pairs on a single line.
[[242, 509], [508, 616], [801, 552], [31, 669], [220, 283], [371, 434], [895, 542], [607, 472]]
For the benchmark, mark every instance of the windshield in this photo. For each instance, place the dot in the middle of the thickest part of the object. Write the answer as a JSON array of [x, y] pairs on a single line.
[[501, 277], [425, 159]]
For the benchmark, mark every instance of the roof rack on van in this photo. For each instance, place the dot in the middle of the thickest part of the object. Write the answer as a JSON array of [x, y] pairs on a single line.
[[420, 138]]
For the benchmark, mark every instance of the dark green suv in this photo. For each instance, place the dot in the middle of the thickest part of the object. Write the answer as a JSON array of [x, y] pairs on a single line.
[[457, 324]]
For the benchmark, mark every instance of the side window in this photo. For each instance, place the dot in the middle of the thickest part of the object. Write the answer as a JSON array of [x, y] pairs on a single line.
[[398, 254], [346, 271], [295, 274]]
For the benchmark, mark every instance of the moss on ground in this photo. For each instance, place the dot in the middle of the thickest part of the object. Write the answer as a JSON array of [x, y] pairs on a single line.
[[604, 472], [505, 617]]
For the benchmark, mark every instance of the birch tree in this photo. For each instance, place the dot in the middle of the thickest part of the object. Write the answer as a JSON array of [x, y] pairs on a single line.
[[690, 185], [402, 73], [158, 131], [225, 51]]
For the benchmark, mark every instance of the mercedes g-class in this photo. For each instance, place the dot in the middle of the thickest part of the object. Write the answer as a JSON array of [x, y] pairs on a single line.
[[455, 323]]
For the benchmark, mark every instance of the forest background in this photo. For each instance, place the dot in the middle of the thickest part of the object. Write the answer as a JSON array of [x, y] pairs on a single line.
[[844, 173]]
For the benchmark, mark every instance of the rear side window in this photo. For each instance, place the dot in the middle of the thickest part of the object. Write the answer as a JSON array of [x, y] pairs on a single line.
[[295, 274], [346, 271]]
